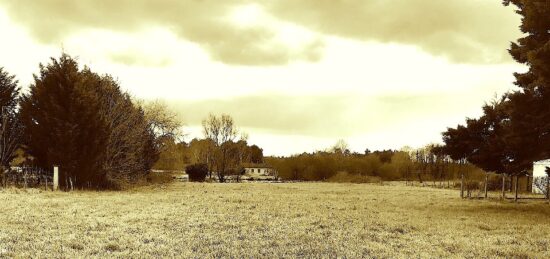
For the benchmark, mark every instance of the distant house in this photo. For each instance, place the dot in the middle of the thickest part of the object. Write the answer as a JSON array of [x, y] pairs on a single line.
[[539, 174], [259, 171]]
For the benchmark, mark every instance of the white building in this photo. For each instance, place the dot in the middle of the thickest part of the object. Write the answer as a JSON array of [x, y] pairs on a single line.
[[539, 174], [259, 171]]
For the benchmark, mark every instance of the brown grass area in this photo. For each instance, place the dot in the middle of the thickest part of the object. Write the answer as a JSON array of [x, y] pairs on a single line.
[[270, 220]]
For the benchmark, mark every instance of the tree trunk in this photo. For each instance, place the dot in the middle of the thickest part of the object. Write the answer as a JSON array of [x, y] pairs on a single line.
[[530, 180], [3, 178], [462, 187], [516, 188], [486, 183]]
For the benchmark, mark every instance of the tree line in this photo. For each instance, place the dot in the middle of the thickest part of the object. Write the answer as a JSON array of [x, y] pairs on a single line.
[[338, 164]]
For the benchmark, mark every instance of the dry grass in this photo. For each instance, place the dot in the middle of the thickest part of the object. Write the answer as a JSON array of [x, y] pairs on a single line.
[[270, 220]]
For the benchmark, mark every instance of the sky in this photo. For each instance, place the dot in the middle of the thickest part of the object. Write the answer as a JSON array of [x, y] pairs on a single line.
[[297, 76]]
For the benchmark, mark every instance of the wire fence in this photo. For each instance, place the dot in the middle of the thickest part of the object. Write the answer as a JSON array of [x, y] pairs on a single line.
[[27, 177]]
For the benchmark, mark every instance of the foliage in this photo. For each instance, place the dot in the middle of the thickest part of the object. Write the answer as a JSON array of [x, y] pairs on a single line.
[[201, 151], [9, 91], [221, 150], [256, 154], [421, 165], [482, 141], [514, 131], [174, 156], [197, 172], [86, 125]]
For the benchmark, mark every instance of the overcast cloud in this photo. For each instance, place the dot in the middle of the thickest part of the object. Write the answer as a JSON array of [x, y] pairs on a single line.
[[466, 31], [297, 75]]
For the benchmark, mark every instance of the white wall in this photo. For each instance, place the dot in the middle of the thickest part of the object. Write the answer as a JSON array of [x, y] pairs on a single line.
[[256, 170], [539, 168]]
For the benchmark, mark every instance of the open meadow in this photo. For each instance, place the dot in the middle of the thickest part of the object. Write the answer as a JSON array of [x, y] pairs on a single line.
[[269, 220]]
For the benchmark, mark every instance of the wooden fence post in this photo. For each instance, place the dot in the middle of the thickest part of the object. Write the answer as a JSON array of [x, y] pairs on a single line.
[[516, 188], [503, 186], [547, 170], [462, 186], [486, 183], [55, 178]]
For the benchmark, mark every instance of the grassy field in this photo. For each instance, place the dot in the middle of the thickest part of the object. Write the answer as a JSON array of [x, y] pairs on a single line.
[[267, 220]]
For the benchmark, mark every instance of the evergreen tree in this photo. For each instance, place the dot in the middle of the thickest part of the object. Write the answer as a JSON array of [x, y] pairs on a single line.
[[62, 123], [9, 91], [530, 106], [482, 140], [515, 131], [256, 154]]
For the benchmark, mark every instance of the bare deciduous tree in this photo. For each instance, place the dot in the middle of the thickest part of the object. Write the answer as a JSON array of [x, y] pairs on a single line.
[[340, 147], [129, 133], [10, 134], [10, 127], [165, 124], [223, 132]]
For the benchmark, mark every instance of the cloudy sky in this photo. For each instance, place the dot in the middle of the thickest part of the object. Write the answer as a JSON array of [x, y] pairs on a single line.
[[296, 75]]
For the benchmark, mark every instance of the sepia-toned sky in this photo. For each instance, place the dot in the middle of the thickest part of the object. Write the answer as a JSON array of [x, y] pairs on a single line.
[[296, 75]]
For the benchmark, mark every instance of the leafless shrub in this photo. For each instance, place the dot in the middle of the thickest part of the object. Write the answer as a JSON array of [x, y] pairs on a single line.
[[541, 185]]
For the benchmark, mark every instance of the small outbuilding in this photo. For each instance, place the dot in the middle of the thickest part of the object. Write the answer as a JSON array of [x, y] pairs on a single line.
[[259, 171], [539, 175]]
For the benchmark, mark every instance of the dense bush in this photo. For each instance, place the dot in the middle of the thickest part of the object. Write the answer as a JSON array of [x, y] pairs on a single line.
[[197, 172]]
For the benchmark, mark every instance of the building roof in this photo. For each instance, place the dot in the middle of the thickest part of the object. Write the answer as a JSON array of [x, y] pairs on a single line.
[[254, 165]]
